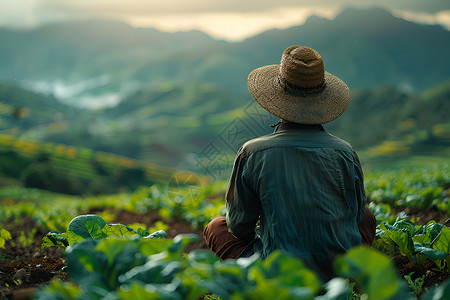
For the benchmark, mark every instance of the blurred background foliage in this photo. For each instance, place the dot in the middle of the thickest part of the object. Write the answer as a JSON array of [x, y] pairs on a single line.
[[100, 107]]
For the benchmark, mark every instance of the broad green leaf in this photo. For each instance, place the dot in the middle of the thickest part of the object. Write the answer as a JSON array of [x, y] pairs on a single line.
[[283, 274], [421, 239], [432, 254], [439, 292], [442, 242], [205, 272], [59, 290], [230, 270], [379, 232], [150, 247], [73, 238], [275, 288], [375, 273], [88, 226], [403, 239], [4, 236], [154, 271], [424, 229], [160, 234], [286, 267], [53, 239], [113, 247], [264, 287], [180, 242], [123, 255], [86, 265], [103, 261], [337, 289], [138, 291], [203, 256], [247, 262], [118, 230], [432, 229], [143, 232], [196, 281], [385, 226], [405, 224]]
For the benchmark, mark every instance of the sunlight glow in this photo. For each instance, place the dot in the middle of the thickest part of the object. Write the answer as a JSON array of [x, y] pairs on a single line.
[[232, 20], [231, 26], [441, 18]]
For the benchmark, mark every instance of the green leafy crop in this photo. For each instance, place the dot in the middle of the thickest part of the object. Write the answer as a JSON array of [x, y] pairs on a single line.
[[4, 236], [419, 188], [93, 227], [140, 268], [374, 272], [418, 243]]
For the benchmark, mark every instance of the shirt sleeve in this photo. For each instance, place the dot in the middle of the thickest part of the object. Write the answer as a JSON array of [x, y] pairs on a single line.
[[359, 186], [242, 202]]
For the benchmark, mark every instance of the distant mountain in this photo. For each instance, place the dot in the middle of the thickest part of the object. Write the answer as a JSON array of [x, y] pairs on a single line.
[[366, 48], [184, 92], [82, 61], [84, 49], [178, 125], [91, 58]]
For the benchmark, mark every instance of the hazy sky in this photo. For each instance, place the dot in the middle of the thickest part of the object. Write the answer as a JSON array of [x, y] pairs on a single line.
[[223, 19]]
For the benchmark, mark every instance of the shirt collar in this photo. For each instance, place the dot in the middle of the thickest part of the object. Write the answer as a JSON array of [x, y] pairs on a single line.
[[284, 126]]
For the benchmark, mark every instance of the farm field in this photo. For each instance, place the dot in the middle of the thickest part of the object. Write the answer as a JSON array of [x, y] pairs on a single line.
[[117, 136], [45, 257]]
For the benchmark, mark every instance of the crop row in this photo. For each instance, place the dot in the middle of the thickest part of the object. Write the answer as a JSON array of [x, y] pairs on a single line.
[[117, 262], [418, 188], [146, 268], [73, 170], [198, 204]]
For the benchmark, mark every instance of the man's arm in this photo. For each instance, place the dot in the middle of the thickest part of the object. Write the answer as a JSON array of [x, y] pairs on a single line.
[[243, 205]]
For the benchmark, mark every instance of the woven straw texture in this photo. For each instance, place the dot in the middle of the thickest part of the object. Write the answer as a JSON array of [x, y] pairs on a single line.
[[294, 105]]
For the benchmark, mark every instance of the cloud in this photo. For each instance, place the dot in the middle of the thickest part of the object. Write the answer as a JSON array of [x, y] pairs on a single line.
[[151, 7], [232, 26], [442, 17], [227, 19]]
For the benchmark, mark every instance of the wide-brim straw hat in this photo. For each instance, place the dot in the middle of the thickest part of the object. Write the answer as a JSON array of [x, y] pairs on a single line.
[[299, 90]]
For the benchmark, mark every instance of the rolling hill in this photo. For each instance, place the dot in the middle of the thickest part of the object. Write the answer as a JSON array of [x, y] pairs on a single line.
[[366, 48], [179, 96], [175, 125]]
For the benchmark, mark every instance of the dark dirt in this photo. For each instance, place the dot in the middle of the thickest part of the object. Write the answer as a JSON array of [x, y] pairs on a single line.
[[421, 217], [175, 226], [432, 274], [24, 267]]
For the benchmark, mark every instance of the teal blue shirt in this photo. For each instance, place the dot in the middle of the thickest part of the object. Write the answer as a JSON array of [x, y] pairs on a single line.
[[306, 188]]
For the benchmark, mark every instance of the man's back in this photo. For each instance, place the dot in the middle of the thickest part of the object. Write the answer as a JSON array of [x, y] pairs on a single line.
[[303, 184], [306, 185]]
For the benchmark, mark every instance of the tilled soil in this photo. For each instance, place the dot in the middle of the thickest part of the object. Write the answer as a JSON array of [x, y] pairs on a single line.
[[25, 267], [429, 271]]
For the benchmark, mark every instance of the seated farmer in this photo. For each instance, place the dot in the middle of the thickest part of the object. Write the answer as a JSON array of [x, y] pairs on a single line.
[[304, 185]]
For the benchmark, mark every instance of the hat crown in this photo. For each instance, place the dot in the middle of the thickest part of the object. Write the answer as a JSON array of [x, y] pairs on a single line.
[[301, 68]]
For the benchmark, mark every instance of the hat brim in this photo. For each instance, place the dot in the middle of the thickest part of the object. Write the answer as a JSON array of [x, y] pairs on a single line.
[[294, 105]]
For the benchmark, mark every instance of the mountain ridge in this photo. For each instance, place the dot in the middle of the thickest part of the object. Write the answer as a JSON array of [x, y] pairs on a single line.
[[352, 45], [173, 125]]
